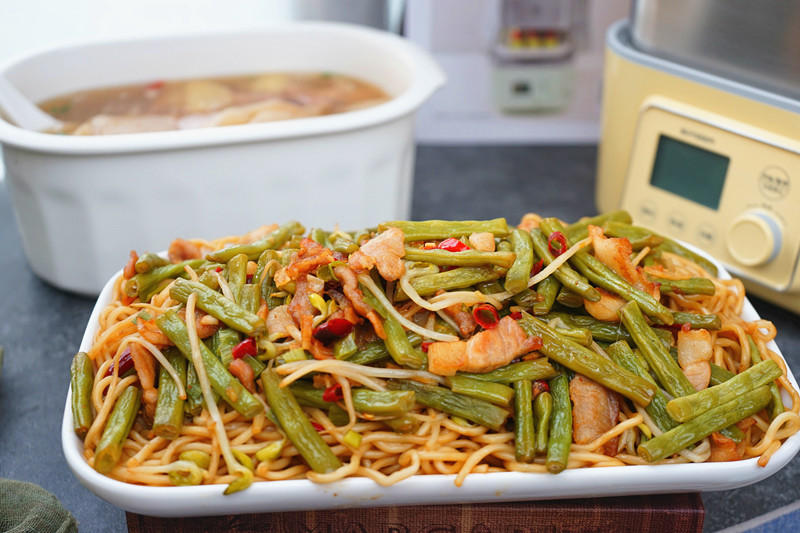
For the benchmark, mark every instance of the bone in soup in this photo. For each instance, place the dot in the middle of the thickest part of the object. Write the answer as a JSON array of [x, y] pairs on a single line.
[[200, 103]]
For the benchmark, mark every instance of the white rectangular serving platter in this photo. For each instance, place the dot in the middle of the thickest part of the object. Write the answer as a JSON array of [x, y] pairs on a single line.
[[297, 495]]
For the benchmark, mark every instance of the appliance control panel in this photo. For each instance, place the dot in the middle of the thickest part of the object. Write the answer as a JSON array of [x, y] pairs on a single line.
[[726, 187]]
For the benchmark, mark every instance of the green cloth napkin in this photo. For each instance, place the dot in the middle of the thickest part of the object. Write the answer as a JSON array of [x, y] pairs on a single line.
[[28, 508]]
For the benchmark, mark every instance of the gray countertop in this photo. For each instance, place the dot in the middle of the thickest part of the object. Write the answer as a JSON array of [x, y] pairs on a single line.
[[41, 327]]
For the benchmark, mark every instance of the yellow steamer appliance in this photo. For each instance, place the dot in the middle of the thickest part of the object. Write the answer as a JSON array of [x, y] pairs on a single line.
[[704, 150]]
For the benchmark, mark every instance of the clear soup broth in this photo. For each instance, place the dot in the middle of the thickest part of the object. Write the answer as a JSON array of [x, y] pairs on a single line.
[[209, 102]]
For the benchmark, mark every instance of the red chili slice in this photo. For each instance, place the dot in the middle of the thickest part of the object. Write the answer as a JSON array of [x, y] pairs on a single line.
[[425, 345], [537, 267], [516, 315], [249, 278], [558, 237], [219, 269], [540, 386], [125, 363], [486, 316], [334, 328], [246, 347], [333, 393], [686, 327], [317, 426], [452, 245]]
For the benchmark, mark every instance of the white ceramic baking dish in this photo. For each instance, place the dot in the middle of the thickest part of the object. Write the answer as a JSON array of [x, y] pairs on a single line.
[[82, 203], [293, 495]]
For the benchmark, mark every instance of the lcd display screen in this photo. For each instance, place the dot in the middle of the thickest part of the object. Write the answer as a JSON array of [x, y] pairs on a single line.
[[688, 171]]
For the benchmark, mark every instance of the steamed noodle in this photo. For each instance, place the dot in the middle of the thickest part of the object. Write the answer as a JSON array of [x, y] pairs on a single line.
[[442, 444]]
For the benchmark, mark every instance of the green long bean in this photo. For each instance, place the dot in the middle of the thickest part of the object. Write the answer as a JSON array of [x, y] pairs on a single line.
[[560, 438], [698, 428], [81, 381], [639, 237], [688, 407], [600, 330], [194, 393], [580, 229], [223, 383], [472, 409], [496, 393], [168, 418], [119, 424], [215, 304], [776, 406], [520, 271], [532, 370], [222, 343], [685, 286], [237, 275], [584, 361], [567, 298], [547, 289], [382, 403], [524, 433], [144, 285], [443, 229], [274, 240], [148, 262], [622, 354], [471, 258], [457, 278], [657, 355], [297, 426], [542, 411]]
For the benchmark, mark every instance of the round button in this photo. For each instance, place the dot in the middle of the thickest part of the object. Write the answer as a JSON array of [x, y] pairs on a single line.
[[754, 238]]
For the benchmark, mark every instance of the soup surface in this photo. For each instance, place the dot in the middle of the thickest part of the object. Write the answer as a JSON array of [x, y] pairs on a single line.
[[201, 103]]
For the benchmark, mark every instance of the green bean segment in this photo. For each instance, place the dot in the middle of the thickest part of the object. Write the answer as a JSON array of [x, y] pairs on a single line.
[[168, 418], [442, 229], [144, 285], [622, 354], [496, 393], [119, 424], [215, 304], [524, 434], [776, 405], [560, 438], [148, 262], [223, 383], [639, 237], [81, 382], [584, 361], [532, 370], [705, 424], [472, 409], [465, 258], [688, 407], [580, 229], [548, 290], [667, 371], [297, 426], [542, 411], [458, 278], [520, 271], [685, 286], [272, 241]]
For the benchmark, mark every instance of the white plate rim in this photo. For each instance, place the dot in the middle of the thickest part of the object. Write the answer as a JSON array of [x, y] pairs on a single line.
[[300, 495]]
